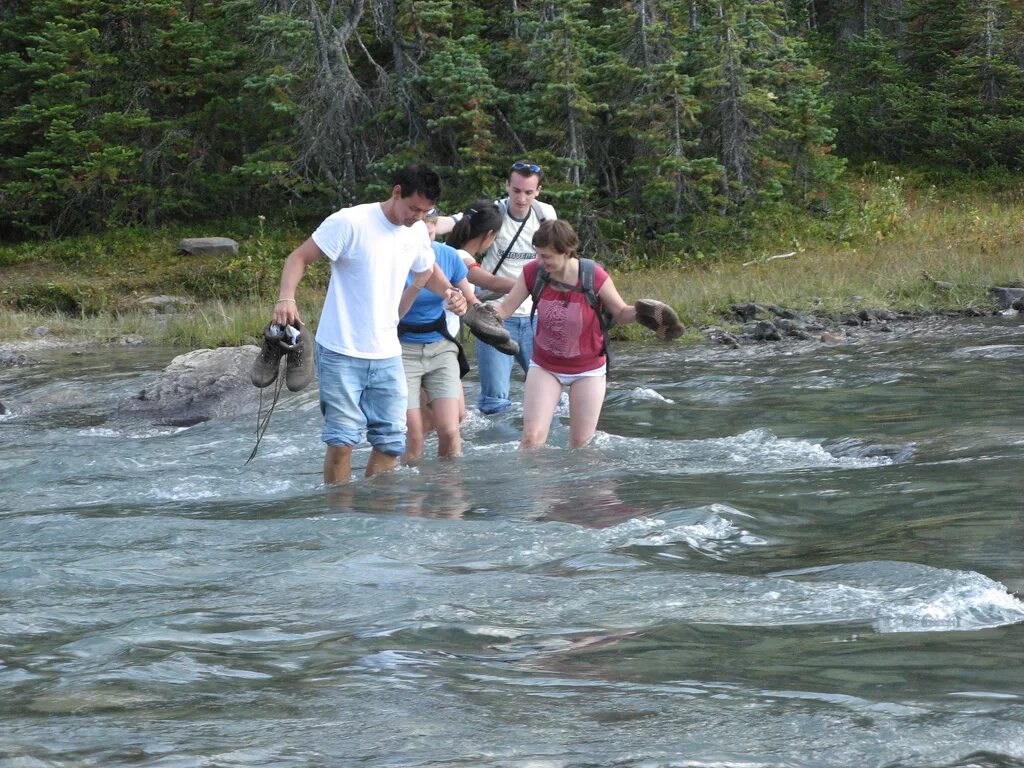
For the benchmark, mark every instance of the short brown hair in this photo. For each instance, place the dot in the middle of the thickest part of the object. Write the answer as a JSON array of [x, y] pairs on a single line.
[[557, 234]]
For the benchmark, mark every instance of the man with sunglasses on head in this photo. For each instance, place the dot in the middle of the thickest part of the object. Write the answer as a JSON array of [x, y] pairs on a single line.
[[495, 275]]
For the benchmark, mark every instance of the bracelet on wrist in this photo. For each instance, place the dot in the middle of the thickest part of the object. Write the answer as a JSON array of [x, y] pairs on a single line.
[[282, 301]]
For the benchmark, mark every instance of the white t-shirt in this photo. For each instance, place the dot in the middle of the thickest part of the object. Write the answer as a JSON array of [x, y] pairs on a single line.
[[522, 252], [370, 260]]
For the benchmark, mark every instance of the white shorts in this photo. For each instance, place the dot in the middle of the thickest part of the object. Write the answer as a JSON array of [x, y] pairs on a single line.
[[566, 379]]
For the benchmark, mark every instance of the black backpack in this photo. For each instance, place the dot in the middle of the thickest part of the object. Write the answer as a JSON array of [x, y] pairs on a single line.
[[586, 287]]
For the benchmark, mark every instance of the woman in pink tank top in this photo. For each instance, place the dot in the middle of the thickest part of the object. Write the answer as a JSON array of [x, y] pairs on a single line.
[[568, 349]]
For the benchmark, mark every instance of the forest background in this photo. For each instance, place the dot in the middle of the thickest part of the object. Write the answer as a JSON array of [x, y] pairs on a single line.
[[671, 131]]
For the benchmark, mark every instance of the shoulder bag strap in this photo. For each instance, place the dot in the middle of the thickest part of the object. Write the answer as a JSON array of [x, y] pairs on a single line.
[[512, 242]]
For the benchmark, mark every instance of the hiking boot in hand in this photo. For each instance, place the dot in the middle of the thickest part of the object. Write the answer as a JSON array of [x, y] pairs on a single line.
[[267, 363], [659, 317], [299, 363]]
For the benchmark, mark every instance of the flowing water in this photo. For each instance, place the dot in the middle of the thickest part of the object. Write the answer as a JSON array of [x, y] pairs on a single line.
[[775, 556]]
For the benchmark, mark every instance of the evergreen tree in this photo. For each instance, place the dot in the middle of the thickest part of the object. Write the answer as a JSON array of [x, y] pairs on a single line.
[[767, 120], [456, 96], [120, 112], [655, 174], [877, 101], [968, 56], [561, 54]]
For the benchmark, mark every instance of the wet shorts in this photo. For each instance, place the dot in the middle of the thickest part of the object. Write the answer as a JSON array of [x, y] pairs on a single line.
[[435, 367], [359, 396]]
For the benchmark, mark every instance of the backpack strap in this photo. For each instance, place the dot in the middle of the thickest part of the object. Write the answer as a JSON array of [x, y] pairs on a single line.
[[604, 319], [587, 269], [538, 211]]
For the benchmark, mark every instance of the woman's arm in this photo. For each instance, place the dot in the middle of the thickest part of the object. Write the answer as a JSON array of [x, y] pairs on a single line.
[[613, 303], [482, 277], [467, 290], [494, 283], [513, 298], [433, 280]]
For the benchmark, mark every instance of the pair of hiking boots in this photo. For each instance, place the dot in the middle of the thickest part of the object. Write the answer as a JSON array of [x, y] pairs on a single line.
[[293, 344]]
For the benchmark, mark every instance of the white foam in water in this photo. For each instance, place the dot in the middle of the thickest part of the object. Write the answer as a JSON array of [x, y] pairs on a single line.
[[909, 597], [653, 532], [99, 432], [646, 393], [992, 351], [757, 450], [975, 602], [761, 447]]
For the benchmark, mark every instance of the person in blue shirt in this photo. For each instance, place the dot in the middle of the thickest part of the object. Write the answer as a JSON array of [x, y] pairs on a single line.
[[433, 359]]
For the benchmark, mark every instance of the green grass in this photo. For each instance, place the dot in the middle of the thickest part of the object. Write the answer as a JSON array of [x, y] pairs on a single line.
[[871, 254], [970, 240]]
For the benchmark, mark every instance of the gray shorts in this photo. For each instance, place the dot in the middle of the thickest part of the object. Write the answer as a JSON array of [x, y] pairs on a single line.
[[435, 367]]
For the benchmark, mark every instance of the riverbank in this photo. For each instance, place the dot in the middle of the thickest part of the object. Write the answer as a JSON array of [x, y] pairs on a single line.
[[908, 253]]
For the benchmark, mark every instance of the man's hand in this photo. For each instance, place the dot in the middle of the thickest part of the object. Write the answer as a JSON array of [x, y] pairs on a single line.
[[286, 312]]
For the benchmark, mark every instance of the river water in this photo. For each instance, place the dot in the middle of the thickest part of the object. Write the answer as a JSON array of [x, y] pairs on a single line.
[[795, 555]]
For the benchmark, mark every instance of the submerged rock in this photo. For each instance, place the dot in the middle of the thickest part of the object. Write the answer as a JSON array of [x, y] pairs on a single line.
[[196, 387], [858, 449], [15, 360], [720, 336], [766, 331]]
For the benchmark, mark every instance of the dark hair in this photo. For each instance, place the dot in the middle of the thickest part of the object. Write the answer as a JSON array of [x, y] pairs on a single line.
[[418, 179], [557, 234], [527, 169], [481, 217]]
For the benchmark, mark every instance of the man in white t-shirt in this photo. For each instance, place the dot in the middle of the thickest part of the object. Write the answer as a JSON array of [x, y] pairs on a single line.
[[501, 266], [372, 249]]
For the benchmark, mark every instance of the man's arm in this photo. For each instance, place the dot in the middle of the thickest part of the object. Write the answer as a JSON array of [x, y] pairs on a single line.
[[286, 311]]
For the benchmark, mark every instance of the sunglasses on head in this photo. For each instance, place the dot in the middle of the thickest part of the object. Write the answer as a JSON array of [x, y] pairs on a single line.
[[521, 166]]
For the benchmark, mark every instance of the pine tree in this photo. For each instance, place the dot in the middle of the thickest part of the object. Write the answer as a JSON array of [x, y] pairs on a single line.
[[877, 101], [767, 120], [121, 112], [968, 56], [655, 174], [561, 53]]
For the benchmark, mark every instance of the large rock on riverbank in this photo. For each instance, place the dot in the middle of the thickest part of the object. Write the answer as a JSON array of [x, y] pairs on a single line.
[[198, 386], [209, 246], [1007, 297]]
